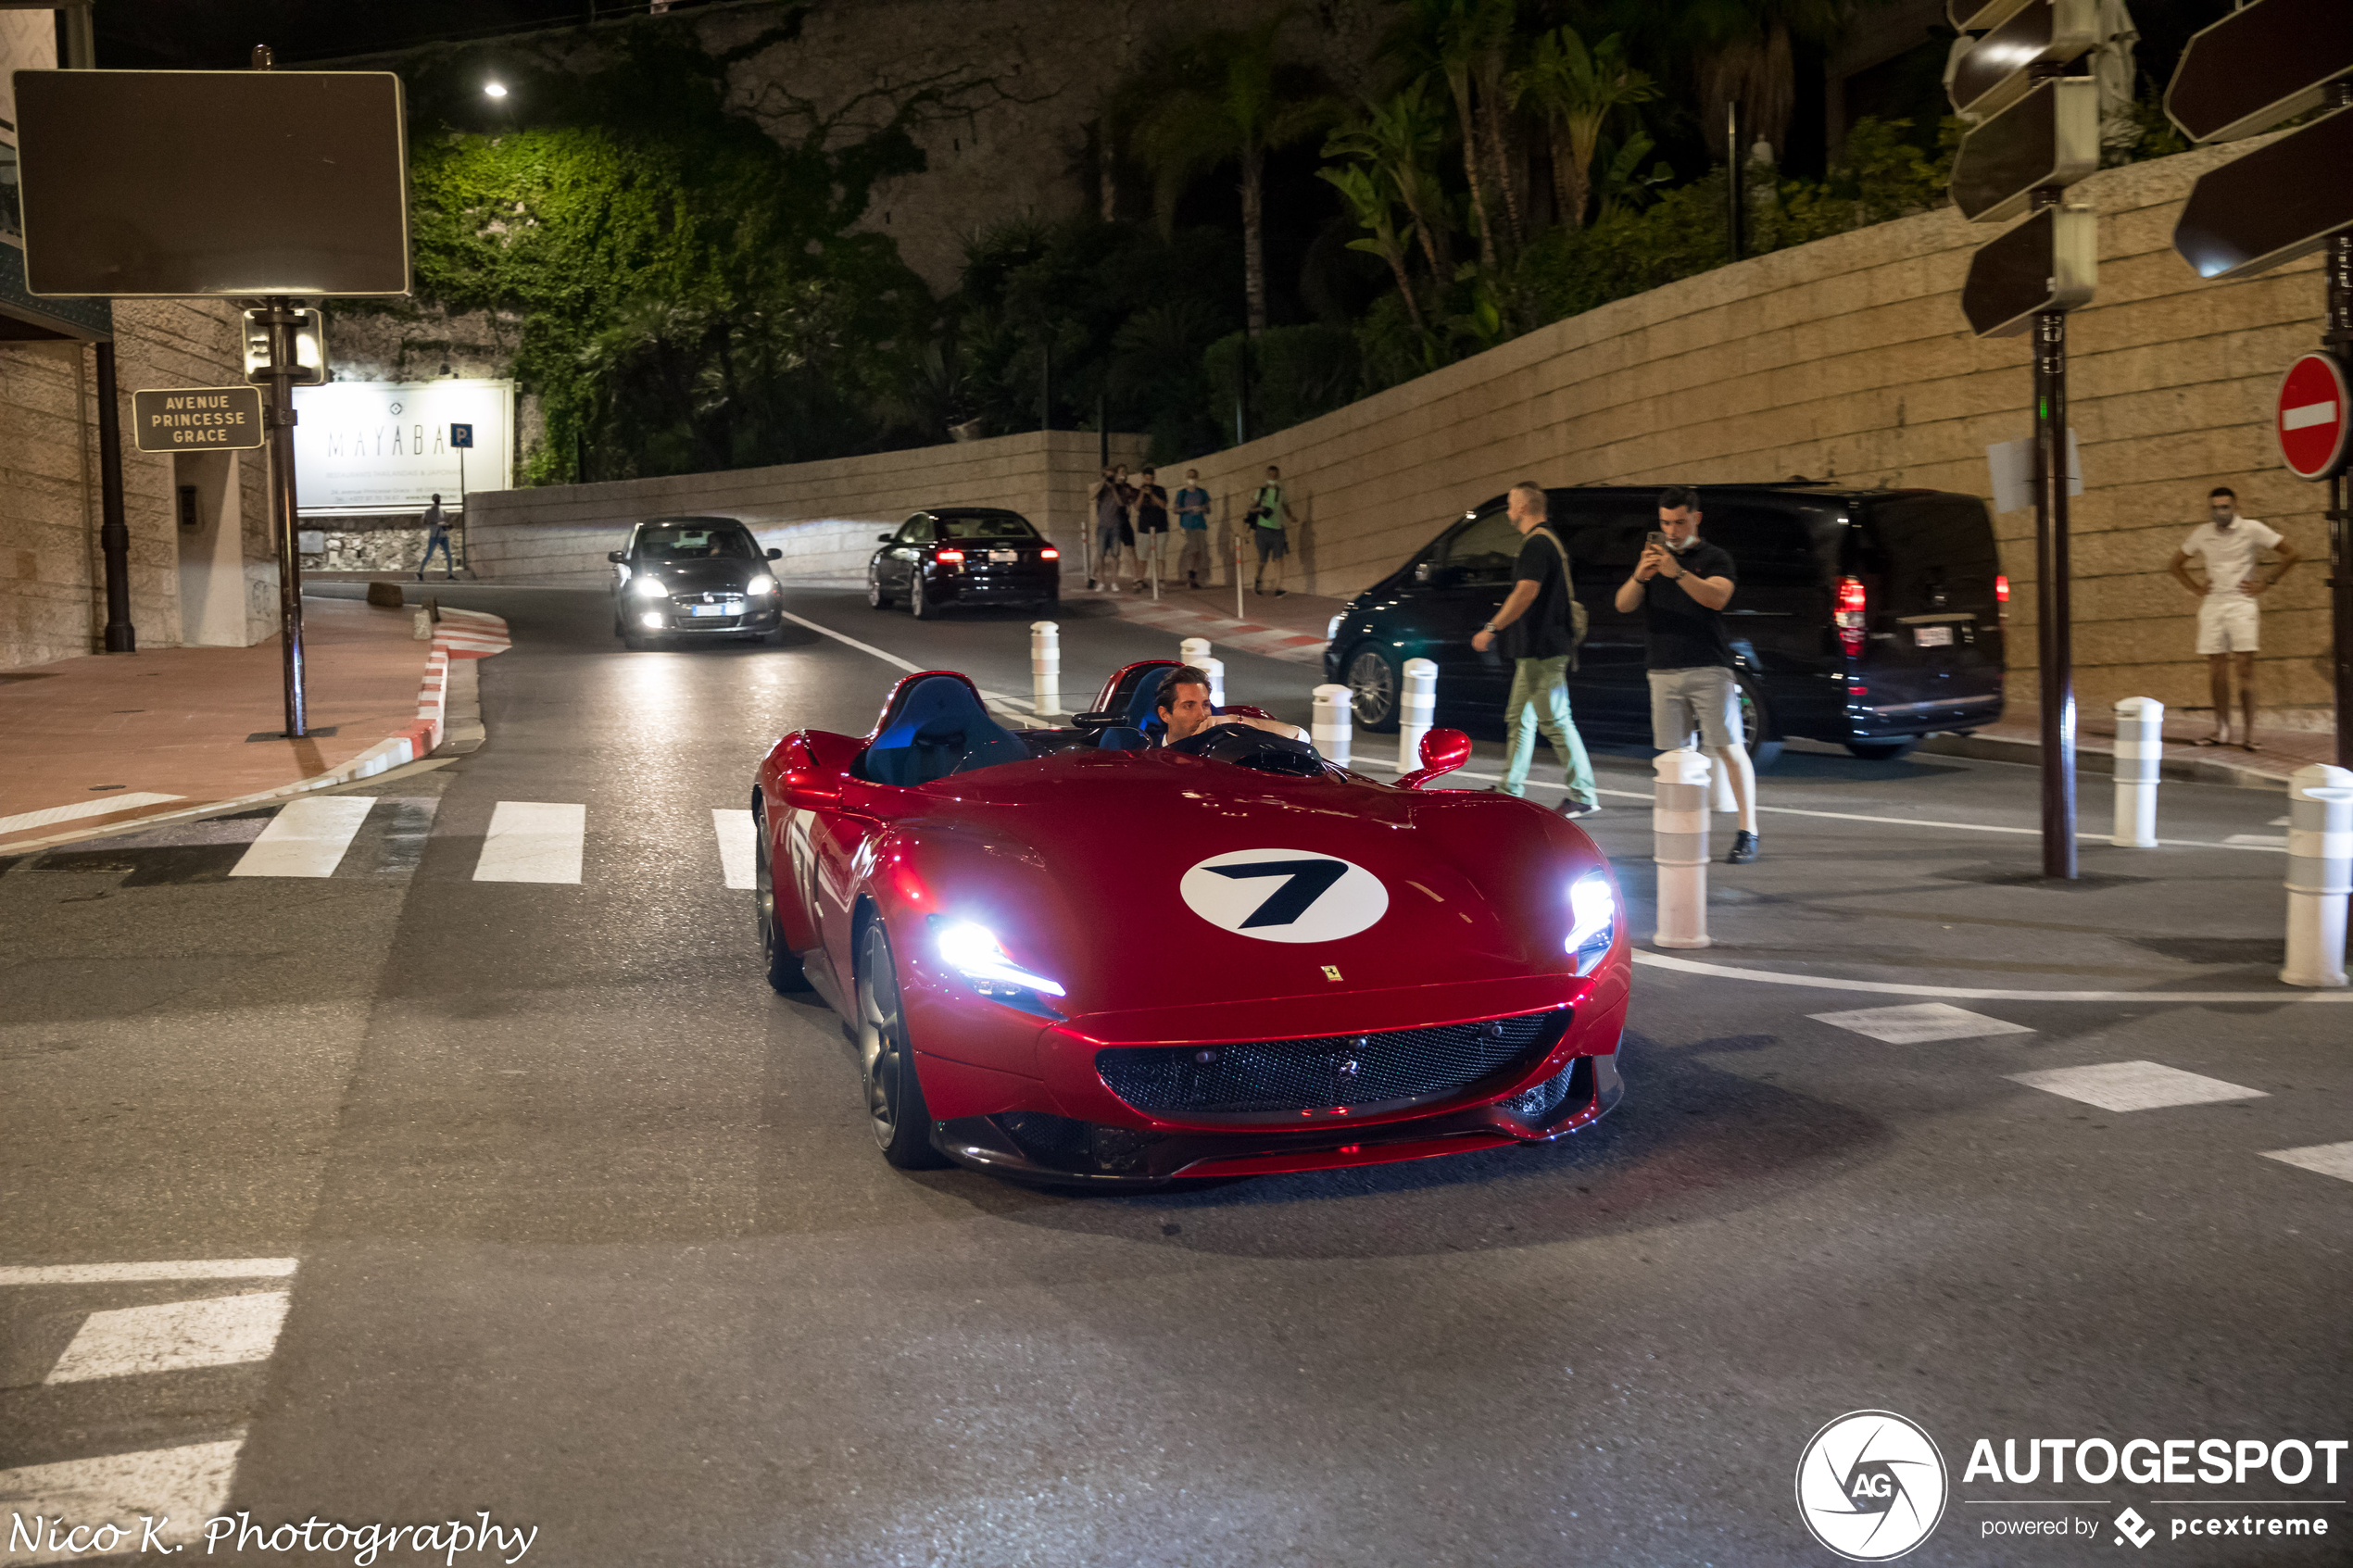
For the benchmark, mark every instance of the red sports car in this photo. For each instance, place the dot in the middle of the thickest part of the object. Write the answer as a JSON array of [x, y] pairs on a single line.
[[1081, 957]]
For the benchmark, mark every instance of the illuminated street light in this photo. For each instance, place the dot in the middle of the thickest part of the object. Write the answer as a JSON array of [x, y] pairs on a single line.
[[494, 89]]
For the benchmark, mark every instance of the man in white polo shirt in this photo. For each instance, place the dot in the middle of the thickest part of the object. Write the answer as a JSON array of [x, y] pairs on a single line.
[[2229, 543]]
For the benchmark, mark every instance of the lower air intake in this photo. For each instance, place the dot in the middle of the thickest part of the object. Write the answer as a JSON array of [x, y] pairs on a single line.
[[1359, 1073]]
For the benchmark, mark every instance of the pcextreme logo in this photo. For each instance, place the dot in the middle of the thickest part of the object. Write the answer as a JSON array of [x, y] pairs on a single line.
[[1871, 1486]]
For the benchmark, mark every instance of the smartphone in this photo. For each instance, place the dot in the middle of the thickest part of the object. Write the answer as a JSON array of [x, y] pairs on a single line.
[[1655, 537]]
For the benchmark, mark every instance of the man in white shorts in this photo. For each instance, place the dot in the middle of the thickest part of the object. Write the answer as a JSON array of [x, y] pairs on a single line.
[[2228, 545]]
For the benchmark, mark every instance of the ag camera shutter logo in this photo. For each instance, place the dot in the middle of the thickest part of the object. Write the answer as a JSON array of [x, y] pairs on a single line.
[[1871, 1486], [1284, 894]]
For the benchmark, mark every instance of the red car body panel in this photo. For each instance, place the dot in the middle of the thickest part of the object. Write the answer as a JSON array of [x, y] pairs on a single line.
[[1074, 861]]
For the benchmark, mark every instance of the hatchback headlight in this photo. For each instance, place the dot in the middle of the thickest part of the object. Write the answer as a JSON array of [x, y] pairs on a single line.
[[1592, 920], [759, 585], [646, 585]]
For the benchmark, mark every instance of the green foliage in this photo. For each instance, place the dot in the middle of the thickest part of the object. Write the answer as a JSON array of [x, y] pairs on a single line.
[[690, 294], [1295, 373]]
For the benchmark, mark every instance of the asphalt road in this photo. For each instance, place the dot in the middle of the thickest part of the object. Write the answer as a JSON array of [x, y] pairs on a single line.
[[575, 1225]]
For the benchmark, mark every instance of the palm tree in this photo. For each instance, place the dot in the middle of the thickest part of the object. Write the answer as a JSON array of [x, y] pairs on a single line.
[[1397, 140], [1451, 40], [1742, 52], [1576, 88], [1234, 102], [1374, 213]]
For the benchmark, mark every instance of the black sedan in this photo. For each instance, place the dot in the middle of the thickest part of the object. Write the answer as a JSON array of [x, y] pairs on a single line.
[[693, 577], [964, 555]]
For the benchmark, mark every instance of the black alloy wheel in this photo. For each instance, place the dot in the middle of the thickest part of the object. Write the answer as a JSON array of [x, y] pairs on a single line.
[[1883, 750], [785, 973], [1764, 747], [876, 598], [1374, 688], [895, 1105], [920, 604]]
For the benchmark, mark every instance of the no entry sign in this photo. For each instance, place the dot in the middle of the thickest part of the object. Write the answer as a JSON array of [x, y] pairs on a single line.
[[2312, 417]]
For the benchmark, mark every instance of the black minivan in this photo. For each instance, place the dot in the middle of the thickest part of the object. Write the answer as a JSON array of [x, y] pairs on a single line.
[[1864, 618]]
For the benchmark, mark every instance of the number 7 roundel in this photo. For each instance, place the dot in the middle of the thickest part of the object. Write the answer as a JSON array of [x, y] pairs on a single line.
[[1284, 894]]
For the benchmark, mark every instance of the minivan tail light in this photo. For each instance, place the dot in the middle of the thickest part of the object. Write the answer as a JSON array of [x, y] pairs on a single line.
[[1851, 606], [948, 558], [2002, 588]]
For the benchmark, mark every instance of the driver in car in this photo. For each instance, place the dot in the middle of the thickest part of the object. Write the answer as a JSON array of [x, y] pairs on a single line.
[[1185, 709]]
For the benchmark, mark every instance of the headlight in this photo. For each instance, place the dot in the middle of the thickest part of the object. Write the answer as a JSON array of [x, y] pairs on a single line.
[[974, 952], [646, 585], [1592, 920], [1332, 630], [763, 584]]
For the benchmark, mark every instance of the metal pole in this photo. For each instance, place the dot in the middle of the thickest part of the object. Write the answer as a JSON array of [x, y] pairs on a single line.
[[1735, 180], [2339, 262], [114, 533], [279, 316], [2053, 611]]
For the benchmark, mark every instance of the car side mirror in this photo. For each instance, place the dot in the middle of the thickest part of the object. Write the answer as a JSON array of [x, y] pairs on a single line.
[[887, 538], [775, 555], [1442, 752], [619, 558], [1423, 572]]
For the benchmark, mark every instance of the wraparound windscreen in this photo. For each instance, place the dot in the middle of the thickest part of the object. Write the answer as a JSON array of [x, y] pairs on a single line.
[[152, 183]]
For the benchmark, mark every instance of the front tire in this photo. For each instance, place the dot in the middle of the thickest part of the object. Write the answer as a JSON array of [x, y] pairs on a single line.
[[786, 975], [1375, 691], [895, 1107], [876, 598], [1757, 734]]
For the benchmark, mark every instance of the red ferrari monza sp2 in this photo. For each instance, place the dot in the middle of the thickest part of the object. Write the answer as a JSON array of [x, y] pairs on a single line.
[[1082, 957]]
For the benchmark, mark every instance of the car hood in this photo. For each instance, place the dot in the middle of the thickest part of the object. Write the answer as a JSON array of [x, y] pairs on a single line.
[[707, 576], [1090, 868]]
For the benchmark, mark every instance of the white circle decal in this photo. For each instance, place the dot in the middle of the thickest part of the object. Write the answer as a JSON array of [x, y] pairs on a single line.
[[1284, 894], [1871, 1486]]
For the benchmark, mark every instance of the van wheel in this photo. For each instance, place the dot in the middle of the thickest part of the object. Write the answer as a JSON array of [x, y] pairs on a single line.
[[1374, 688], [1883, 750], [1762, 741]]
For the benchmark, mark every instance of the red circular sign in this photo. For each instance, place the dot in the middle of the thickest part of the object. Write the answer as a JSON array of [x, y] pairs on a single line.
[[2311, 417]]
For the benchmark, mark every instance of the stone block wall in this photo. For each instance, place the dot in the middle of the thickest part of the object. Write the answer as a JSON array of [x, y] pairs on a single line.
[[824, 515], [1848, 359]]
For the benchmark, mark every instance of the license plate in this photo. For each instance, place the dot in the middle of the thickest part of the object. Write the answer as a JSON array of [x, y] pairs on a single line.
[[715, 609], [1933, 636], [1003, 557]]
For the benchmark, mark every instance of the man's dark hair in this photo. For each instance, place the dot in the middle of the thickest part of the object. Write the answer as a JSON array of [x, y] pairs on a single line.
[[1183, 675], [2222, 490], [1677, 498]]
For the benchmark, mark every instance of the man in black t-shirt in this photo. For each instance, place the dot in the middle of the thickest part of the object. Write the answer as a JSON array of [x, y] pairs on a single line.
[[1681, 585], [1539, 636]]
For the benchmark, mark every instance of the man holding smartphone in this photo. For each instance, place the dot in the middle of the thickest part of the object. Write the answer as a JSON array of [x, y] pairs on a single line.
[[1681, 585]]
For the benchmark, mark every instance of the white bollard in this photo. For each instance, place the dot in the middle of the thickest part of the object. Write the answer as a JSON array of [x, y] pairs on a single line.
[[1679, 844], [1334, 723], [1416, 705], [2140, 747], [1192, 650], [1046, 667], [1216, 670], [2319, 873]]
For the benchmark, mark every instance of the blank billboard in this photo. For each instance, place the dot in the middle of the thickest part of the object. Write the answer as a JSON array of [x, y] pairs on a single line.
[[242, 182]]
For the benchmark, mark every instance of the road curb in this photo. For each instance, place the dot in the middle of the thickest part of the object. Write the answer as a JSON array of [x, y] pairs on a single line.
[[2182, 770], [467, 634]]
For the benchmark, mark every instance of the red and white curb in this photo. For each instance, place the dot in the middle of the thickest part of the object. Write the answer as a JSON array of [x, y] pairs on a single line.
[[463, 633], [1250, 636]]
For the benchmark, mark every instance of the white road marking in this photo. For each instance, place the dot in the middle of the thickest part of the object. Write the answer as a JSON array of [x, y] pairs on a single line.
[[842, 637], [308, 838], [2328, 1158], [173, 1337], [1984, 994], [2256, 841], [736, 849], [533, 840], [97, 807], [190, 1482], [140, 1273], [2133, 1085], [1919, 1023]]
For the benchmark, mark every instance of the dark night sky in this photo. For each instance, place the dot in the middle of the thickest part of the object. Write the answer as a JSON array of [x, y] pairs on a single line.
[[219, 34]]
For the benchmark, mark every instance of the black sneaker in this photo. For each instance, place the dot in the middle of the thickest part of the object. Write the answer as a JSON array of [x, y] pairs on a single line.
[[1743, 850], [1575, 809]]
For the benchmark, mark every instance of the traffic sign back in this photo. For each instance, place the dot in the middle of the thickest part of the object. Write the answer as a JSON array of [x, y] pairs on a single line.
[[2259, 66], [2277, 202], [2049, 262], [1996, 70], [2311, 417], [2048, 139]]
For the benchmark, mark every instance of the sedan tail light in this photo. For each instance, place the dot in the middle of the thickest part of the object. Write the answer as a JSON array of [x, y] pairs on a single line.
[[1049, 553], [2002, 588], [948, 558], [1851, 607]]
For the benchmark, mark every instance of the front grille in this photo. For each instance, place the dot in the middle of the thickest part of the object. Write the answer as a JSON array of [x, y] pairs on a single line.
[[1354, 1073]]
